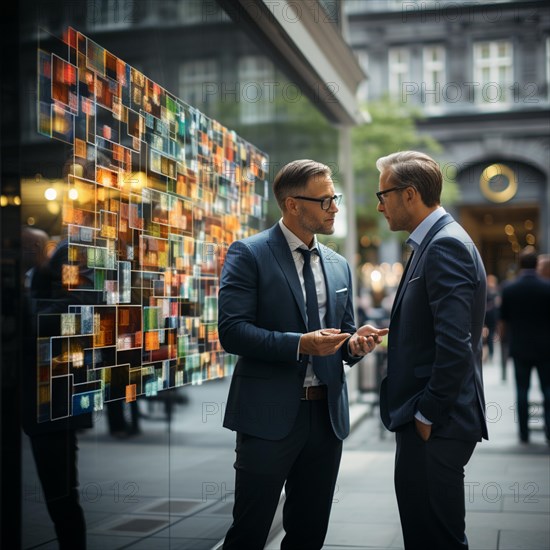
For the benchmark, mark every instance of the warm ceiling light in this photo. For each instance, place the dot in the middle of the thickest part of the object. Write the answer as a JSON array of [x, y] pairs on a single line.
[[53, 208], [50, 194], [376, 276]]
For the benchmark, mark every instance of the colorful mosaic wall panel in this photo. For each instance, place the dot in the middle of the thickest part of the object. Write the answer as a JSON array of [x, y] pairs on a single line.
[[155, 193]]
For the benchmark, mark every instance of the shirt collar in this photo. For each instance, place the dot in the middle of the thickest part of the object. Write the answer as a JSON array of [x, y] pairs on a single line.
[[293, 241], [417, 236]]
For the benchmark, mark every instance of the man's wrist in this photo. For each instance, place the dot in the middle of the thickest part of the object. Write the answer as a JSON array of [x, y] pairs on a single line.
[[419, 416]]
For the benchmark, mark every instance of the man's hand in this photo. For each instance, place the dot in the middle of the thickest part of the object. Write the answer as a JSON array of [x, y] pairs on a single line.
[[423, 430], [322, 342], [366, 339]]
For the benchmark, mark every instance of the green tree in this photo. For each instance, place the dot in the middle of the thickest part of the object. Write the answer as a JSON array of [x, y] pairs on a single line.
[[393, 128]]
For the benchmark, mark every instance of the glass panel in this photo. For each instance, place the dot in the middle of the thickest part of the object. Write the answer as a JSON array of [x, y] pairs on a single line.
[[398, 70], [493, 69], [502, 49], [255, 89], [197, 80], [147, 192]]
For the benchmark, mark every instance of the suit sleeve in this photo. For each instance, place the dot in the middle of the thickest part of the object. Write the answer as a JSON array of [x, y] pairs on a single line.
[[348, 323], [451, 281], [237, 312]]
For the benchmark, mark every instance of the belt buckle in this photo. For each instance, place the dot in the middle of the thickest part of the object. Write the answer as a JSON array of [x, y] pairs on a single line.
[[306, 396]]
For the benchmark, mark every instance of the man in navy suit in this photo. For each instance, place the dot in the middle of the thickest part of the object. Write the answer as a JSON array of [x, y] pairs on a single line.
[[433, 395], [525, 315], [285, 308]]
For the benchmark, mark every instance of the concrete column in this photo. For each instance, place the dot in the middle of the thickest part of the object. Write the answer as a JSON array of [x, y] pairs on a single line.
[[345, 175]]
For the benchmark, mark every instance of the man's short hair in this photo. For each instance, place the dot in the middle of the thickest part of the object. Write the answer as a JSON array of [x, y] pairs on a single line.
[[527, 258], [417, 170], [293, 177]]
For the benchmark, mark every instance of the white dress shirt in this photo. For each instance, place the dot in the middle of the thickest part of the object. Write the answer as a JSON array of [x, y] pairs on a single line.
[[294, 243]]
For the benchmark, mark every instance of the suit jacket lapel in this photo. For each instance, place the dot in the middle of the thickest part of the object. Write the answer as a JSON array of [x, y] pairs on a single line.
[[439, 224], [404, 280], [281, 251]]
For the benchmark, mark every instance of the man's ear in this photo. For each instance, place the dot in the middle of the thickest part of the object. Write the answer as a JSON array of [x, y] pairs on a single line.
[[412, 195], [291, 205]]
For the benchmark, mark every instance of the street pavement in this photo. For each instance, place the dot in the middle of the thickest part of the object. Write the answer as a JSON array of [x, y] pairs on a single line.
[[171, 487], [507, 484]]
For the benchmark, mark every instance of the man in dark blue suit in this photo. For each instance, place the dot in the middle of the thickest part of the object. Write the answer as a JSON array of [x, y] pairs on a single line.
[[433, 395], [285, 308], [525, 315]]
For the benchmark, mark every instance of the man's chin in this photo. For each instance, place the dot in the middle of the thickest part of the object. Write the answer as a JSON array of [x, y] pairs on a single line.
[[392, 227]]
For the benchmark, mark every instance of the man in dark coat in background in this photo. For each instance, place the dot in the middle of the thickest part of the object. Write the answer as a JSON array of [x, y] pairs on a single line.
[[525, 320]]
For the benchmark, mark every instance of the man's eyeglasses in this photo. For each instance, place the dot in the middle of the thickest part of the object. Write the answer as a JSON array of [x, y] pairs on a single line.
[[380, 194], [325, 203]]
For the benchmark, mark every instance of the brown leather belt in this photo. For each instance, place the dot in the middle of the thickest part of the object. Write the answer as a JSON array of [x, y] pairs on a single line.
[[313, 393]]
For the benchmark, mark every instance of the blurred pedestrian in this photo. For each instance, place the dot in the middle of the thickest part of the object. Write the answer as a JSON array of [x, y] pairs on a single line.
[[525, 316], [53, 440], [432, 396], [491, 314], [543, 266], [35, 254], [502, 337], [119, 426]]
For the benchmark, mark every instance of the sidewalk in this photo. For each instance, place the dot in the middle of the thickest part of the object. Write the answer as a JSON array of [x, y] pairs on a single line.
[[507, 483], [172, 489]]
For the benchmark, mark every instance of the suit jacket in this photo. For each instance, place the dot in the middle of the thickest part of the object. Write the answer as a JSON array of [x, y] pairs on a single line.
[[435, 343], [525, 308], [261, 317]]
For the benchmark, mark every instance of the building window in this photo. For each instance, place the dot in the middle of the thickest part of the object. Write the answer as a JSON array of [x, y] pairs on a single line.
[[110, 13], [196, 12], [399, 71], [433, 82], [493, 72], [198, 84], [362, 6], [357, 6], [256, 90]]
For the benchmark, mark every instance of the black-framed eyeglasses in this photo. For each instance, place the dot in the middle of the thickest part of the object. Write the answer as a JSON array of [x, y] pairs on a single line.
[[325, 203], [380, 194]]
